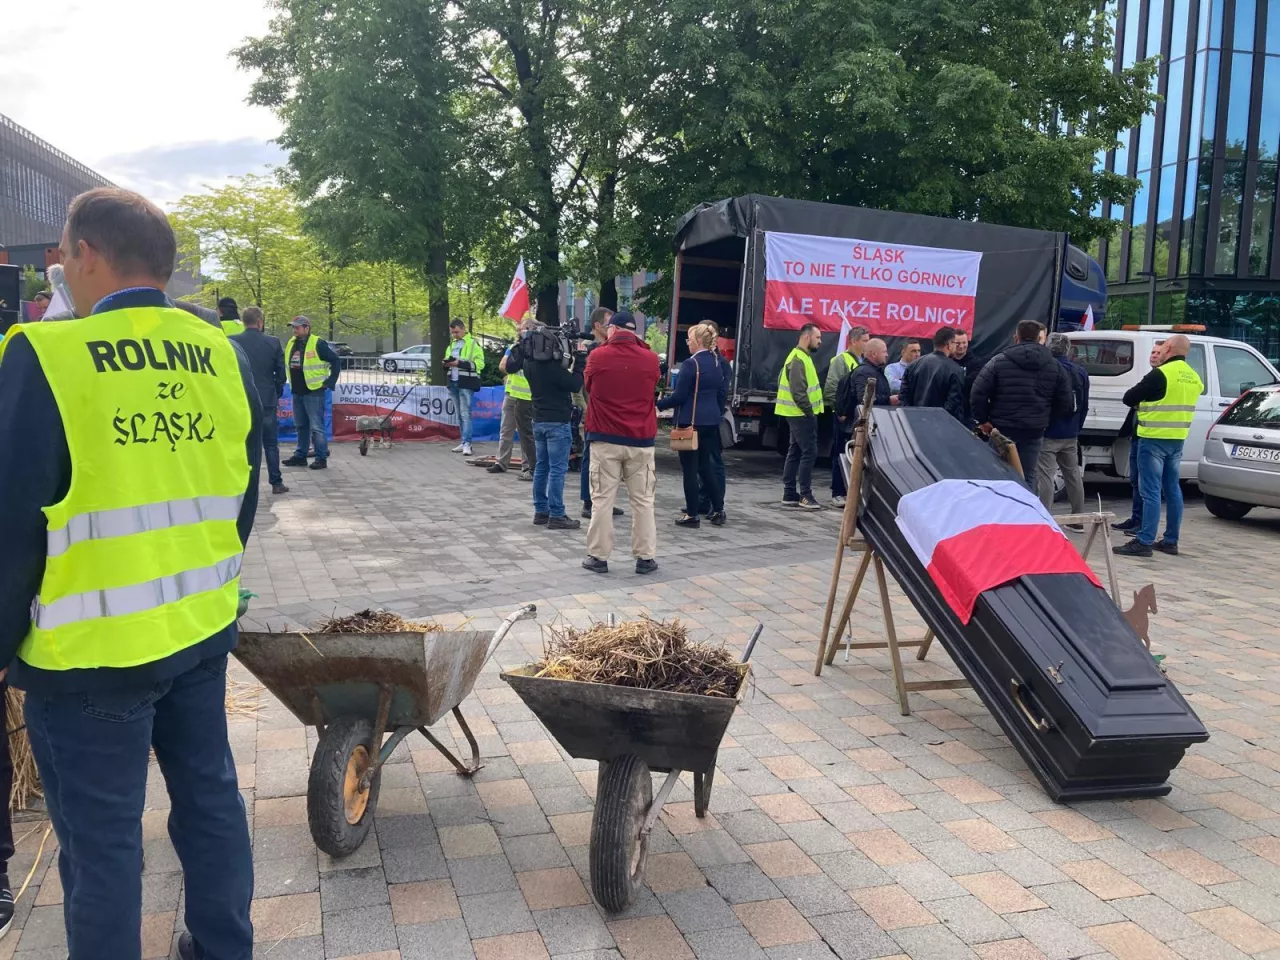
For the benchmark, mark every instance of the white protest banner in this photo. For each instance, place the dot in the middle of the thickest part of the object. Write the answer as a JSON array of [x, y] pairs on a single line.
[[892, 289]]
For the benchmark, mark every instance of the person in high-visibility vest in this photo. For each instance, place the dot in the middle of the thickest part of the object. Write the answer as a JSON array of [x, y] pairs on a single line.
[[517, 415], [1166, 403], [129, 490], [313, 371], [464, 360], [842, 364], [800, 403], [229, 317]]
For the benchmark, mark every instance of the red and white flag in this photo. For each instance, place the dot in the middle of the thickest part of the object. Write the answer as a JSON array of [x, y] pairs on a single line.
[[843, 340], [1088, 318], [517, 303], [975, 535]]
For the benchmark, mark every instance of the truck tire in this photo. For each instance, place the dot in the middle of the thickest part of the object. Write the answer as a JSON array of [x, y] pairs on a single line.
[[338, 811], [1225, 509], [624, 791]]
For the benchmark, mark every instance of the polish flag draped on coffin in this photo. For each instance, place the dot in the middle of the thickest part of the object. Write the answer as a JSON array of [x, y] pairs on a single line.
[[975, 535]]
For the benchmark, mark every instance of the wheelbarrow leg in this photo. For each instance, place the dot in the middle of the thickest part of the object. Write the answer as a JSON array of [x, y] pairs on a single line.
[[462, 768], [702, 790]]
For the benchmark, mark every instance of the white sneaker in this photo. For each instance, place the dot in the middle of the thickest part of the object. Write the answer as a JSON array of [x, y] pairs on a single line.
[[460, 448], [466, 449], [838, 501]]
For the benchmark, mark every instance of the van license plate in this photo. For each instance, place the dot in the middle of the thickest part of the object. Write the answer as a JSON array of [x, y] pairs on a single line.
[[1255, 453]]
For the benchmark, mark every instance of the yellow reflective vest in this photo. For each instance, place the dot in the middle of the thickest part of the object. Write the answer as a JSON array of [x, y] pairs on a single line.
[[1169, 418], [314, 370], [785, 405], [517, 384], [232, 327], [142, 555]]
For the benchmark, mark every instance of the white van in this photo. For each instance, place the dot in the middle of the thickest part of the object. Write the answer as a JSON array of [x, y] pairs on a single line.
[[1117, 359]]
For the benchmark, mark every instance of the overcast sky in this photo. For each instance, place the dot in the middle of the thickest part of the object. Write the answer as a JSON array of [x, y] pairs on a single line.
[[142, 91]]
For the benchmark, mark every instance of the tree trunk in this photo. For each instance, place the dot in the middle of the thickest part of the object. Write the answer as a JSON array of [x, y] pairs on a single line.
[[329, 300], [606, 240], [438, 299]]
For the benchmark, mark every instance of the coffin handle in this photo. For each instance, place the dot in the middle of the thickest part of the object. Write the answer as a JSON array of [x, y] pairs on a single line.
[[1038, 724]]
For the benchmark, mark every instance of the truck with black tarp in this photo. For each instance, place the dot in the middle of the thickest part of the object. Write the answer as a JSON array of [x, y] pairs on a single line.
[[761, 267]]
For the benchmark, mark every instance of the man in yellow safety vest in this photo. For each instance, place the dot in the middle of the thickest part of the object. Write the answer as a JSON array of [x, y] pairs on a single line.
[[129, 486], [1166, 402], [229, 317], [842, 364], [800, 403], [464, 361], [517, 415], [313, 371]]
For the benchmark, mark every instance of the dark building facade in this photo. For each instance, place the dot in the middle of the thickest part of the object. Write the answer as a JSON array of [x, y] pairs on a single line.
[[37, 184], [1197, 243]]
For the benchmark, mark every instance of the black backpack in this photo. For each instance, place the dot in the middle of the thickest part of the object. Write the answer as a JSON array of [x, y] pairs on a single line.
[[847, 400]]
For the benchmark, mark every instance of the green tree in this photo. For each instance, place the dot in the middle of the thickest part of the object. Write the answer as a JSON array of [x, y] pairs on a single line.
[[990, 110], [32, 282], [247, 235], [363, 89]]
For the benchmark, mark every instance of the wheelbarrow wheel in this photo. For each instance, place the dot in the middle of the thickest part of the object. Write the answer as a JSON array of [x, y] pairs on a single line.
[[341, 797], [364, 446], [624, 791]]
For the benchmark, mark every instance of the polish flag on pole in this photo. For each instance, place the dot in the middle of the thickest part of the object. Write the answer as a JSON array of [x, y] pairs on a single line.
[[976, 535], [517, 303], [843, 341], [1088, 318]]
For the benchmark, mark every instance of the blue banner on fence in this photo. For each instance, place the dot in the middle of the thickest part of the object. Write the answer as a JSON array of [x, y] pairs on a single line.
[[284, 415]]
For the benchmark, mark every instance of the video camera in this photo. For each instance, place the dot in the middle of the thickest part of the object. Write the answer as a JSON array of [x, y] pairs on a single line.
[[563, 344]]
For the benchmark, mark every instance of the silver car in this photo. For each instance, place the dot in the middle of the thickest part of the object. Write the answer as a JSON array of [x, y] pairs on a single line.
[[1240, 467]]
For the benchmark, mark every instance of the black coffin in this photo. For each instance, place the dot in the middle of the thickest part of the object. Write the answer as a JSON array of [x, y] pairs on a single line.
[[1051, 656]]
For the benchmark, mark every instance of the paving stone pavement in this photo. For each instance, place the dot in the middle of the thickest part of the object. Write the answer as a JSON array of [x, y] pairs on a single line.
[[838, 828]]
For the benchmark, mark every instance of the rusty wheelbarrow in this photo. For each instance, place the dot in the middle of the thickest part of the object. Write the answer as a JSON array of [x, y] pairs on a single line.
[[355, 689], [631, 732]]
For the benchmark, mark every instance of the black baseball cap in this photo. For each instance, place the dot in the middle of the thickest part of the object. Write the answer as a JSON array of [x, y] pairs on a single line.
[[228, 309], [624, 320]]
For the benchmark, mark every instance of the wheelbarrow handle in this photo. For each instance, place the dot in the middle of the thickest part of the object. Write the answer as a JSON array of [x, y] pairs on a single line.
[[751, 644], [528, 612]]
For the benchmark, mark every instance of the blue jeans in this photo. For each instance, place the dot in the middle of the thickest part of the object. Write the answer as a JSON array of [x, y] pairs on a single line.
[[551, 462], [1135, 511], [1158, 464], [92, 751], [462, 400], [308, 417], [271, 445], [1029, 455]]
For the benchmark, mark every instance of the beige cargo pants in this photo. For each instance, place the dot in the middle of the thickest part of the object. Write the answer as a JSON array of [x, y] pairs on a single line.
[[613, 465]]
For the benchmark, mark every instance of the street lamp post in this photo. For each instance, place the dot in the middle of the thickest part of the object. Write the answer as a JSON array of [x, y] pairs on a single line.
[[1151, 296]]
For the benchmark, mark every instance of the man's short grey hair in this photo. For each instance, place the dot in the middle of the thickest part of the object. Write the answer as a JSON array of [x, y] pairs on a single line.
[[1059, 344], [252, 316]]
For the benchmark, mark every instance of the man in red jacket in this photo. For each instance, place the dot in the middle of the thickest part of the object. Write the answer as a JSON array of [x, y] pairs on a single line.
[[622, 421]]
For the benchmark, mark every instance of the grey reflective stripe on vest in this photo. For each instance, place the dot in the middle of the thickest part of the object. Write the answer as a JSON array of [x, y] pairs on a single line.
[[1164, 424], [1167, 406], [121, 601], [103, 524]]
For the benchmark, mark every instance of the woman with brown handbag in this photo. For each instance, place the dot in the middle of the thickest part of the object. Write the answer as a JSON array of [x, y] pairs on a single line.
[[697, 400]]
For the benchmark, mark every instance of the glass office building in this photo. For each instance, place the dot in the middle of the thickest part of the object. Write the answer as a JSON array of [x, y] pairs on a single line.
[[37, 184], [1197, 243]]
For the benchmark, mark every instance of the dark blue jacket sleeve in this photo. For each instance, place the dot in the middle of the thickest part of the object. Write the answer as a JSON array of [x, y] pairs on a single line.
[[685, 383], [35, 472], [722, 392], [325, 353], [249, 506], [279, 372]]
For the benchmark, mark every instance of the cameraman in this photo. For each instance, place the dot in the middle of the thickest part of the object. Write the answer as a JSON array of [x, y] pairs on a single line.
[[553, 367]]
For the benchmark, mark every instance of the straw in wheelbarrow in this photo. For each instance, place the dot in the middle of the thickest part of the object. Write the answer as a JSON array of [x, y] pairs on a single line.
[[375, 621], [652, 654]]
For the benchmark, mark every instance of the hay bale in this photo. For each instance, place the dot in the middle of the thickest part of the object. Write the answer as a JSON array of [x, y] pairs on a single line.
[[645, 653], [26, 780]]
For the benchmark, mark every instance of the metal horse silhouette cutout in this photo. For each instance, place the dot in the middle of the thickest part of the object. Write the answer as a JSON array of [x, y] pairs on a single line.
[[1144, 603]]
